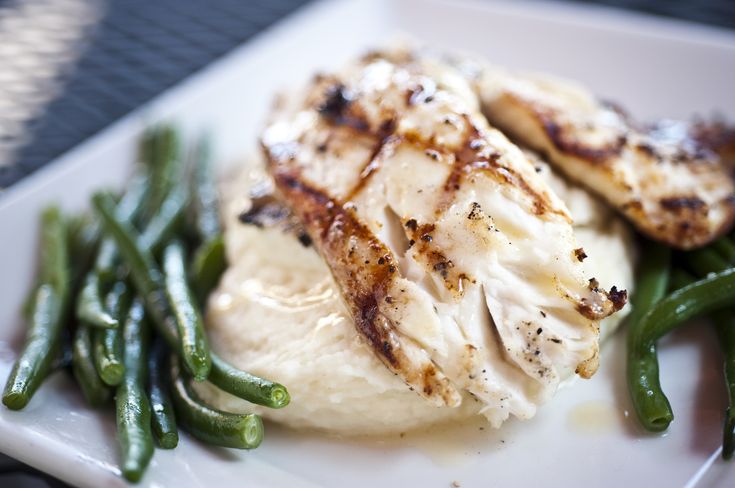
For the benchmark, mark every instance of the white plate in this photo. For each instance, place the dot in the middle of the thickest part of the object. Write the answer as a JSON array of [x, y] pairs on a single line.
[[584, 437]]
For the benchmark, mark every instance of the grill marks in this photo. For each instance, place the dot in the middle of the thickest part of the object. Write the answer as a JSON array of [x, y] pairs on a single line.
[[386, 140], [472, 158], [434, 126], [565, 141], [337, 107], [679, 204], [668, 178], [365, 270]]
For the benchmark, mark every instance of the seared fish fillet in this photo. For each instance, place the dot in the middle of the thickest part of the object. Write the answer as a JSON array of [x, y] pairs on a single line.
[[455, 259], [665, 178]]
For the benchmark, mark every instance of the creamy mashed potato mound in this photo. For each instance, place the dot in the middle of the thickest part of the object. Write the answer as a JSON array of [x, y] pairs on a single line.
[[277, 313]]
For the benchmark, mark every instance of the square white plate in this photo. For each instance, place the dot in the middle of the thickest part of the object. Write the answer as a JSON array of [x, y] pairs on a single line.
[[585, 436]]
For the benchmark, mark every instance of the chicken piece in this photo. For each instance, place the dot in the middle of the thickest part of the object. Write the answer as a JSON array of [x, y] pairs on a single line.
[[457, 262], [666, 178]]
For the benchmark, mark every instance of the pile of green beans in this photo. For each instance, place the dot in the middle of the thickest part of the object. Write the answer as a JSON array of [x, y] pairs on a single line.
[[128, 287], [669, 293]]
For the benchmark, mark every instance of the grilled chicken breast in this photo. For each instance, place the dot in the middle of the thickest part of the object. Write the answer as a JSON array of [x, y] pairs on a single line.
[[455, 259], [668, 179]]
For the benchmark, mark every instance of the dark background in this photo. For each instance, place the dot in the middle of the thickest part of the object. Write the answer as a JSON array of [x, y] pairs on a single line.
[[141, 47]]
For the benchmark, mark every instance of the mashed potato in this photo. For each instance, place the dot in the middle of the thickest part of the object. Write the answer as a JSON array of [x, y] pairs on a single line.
[[278, 313]]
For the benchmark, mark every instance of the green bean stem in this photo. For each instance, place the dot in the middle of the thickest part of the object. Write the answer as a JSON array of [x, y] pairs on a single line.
[[650, 402], [163, 419], [131, 400], [47, 318], [240, 431]]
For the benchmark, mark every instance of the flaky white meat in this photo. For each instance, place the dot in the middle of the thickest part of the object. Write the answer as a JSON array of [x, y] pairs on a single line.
[[668, 179], [455, 258]]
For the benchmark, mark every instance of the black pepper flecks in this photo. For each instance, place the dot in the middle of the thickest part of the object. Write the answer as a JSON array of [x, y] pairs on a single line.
[[580, 254], [475, 212], [304, 239]]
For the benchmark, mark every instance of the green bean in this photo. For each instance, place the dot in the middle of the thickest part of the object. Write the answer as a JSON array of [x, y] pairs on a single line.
[[54, 250], [194, 347], [205, 202], [680, 278], [706, 295], [131, 204], [208, 265], [131, 401], [144, 271], [148, 282], [240, 431], [133, 200], [95, 391], [725, 326], [83, 237], [649, 401], [209, 260], [105, 266], [108, 344], [726, 248], [107, 353], [161, 157], [90, 308], [704, 261], [247, 386], [724, 321], [47, 318], [163, 224], [163, 419]]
